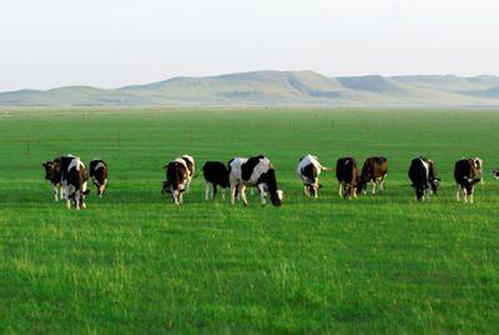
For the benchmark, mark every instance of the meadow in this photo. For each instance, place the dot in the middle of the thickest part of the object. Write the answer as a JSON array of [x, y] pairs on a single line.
[[133, 262]]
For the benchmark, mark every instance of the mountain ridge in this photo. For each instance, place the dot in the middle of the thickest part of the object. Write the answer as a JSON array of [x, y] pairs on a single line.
[[270, 87]]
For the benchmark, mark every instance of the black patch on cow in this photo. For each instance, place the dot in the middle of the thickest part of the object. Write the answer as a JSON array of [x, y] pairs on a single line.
[[269, 179], [98, 175]]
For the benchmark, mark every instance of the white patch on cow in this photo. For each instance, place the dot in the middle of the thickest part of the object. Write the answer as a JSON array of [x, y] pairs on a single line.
[[426, 165], [99, 165], [235, 170], [262, 167]]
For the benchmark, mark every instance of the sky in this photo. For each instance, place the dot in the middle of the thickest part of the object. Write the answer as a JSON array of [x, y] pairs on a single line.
[[109, 44]]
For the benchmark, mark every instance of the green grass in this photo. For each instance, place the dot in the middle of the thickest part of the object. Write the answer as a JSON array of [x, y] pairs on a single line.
[[133, 262]]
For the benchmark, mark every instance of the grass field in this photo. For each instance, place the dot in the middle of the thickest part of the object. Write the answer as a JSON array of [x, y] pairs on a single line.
[[133, 262]]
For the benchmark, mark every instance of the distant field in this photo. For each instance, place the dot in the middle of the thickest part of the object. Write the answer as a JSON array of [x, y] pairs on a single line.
[[133, 262]]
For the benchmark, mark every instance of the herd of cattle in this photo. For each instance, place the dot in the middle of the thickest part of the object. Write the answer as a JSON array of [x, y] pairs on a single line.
[[70, 174]]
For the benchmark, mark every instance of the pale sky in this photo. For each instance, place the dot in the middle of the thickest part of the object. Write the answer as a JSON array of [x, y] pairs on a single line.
[[104, 43]]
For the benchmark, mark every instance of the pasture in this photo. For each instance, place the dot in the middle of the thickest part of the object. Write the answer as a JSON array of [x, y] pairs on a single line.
[[134, 263]]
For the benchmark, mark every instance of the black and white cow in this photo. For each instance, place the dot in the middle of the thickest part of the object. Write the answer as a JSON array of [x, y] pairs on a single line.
[[99, 175], [215, 174], [309, 170], [255, 171], [495, 174], [74, 178], [374, 170], [423, 176], [53, 174], [177, 179], [466, 174], [347, 174]]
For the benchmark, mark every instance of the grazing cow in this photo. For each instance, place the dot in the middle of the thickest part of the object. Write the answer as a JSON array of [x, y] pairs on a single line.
[[190, 164], [423, 176], [374, 170], [347, 173], [215, 174], [74, 178], [309, 170], [255, 171], [466, 174], [177, 179], [99, 175], [53, 174]]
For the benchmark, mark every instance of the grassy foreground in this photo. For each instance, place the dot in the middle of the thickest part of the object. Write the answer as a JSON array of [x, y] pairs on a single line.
[[133, 262]]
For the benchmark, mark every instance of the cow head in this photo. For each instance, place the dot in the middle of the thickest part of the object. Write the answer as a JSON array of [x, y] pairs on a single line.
[[51, 169], [434, 183], [276, 195], [166, 187], [101, 189], [361, 187]]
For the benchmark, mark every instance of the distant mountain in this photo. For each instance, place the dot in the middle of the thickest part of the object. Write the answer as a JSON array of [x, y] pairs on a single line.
[[278, 88]]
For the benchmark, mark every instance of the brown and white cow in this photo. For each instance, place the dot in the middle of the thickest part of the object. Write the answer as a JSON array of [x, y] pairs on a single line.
[[177, 179], [309, 170], [53, 174], [254, 171], [466, 175], [99, 175], [216, 175], [74, 177], [347, 174], [423, 176], [374, 170]]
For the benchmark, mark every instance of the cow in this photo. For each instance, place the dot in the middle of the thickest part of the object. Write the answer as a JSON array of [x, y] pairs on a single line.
[[374, 170], [347, 173], [466, 175], [495, 174], [215, 174], [177, 179], [308, 170], [423, 176], [53, 174], [254, 171], [74, 177], [99, 175]]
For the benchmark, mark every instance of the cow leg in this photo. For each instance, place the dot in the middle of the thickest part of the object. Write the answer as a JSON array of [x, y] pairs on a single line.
[[305, 190], [261, 190], [233, 190], [465, 195], [340, 190], [213, 191], [54, 193], [242, 191], [458, 188], [206, 189], [316, 190], [223, 193], [374, 188]]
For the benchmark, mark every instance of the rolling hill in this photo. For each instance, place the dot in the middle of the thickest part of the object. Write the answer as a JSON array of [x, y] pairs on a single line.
[[277, 88]]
